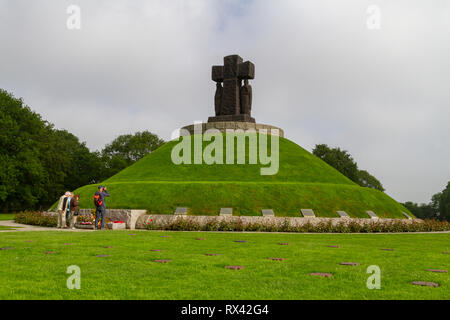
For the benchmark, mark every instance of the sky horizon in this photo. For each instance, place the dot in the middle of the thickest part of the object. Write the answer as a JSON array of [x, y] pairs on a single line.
[[369, 77]]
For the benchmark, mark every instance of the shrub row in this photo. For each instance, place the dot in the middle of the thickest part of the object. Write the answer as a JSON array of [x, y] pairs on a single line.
[[324, 226], [36, 218]]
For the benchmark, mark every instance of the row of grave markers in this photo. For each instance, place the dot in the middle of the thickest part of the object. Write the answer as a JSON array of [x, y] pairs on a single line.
[[307, 213]]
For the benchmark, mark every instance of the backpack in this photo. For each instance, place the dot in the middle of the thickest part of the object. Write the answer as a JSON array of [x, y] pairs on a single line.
[[97, 201]]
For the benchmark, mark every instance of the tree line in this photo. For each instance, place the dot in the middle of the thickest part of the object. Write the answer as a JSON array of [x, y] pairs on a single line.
[[437, 208], [38, 162]]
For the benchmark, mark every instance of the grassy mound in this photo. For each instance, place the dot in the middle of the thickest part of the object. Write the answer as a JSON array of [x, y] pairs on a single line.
[[157, 184]]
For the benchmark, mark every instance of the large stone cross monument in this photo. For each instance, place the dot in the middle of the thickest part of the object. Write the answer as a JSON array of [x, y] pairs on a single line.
[[233, 100]]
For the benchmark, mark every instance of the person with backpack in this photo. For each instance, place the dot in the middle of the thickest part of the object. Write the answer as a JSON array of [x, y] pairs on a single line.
[[99, 202]]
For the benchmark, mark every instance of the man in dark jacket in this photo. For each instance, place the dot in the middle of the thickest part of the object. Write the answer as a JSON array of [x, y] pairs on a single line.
[[101, 207], [74, 207]]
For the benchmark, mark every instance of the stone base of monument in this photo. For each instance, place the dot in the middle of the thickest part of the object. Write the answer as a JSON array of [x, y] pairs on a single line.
[[231, 125], [232, 118], [116, 226], [128, 216]]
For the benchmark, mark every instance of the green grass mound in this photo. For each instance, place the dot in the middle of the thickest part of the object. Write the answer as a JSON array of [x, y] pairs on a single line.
[[157, 184]]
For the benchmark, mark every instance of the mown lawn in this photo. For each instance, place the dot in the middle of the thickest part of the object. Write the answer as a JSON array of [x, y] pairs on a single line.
[[6, 228], [6, 216], [130, 273]]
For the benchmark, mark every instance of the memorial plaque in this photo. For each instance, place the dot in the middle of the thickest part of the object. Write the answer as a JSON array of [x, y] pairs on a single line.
[[343, 214], [268, 213], [371, 214], [308, 213], [181, 211]]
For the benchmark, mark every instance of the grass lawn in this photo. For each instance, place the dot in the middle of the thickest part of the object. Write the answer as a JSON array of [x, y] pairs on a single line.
[[130, 273], [7, 228], [6, 216]]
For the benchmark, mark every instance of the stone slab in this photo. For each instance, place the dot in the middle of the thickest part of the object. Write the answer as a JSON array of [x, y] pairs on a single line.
[[267, 213], [321, 274], [372, 214], [162, 261], [407, 216], [343, 214], [234, 267], [116, 226], [308, 213], [233, 118], [223, 126], [226, 211], [181, 211], [425, 284]]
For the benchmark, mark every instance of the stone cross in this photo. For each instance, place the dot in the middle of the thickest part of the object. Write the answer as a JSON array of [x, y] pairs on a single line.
[[233, 100]]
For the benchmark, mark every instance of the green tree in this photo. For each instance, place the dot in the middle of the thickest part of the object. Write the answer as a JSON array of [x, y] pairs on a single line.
[[37, 162], [339, 159], [369, 181], [127, 149], [342, 161], [444, 203]]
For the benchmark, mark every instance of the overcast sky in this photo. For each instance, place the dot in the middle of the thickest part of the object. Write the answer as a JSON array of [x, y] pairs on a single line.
[[321, 73]]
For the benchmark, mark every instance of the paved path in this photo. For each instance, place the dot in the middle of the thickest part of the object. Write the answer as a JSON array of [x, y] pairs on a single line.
[[25, 227]]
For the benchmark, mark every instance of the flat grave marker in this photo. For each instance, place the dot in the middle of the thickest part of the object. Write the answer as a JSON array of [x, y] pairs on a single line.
[[307, 213], [343, 214], [277, 259], [226, 211], [349, 263], [437, 270], [321, 274], [425, 284], [7, 248], [371, 214], [212, 254], [181, 211], [234, 267], [162, 261], [268, 213], [407, 216]]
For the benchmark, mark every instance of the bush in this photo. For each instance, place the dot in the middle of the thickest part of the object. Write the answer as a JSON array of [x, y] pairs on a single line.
[[323, 226], [36, 218]]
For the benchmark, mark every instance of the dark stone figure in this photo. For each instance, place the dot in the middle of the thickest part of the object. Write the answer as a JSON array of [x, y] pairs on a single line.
[[233, 101], [246, 98], [218, 99]]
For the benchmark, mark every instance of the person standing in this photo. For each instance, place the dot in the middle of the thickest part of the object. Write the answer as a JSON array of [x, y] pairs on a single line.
[[74, 211], [99, 201], [66, 209], [60, 209]]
